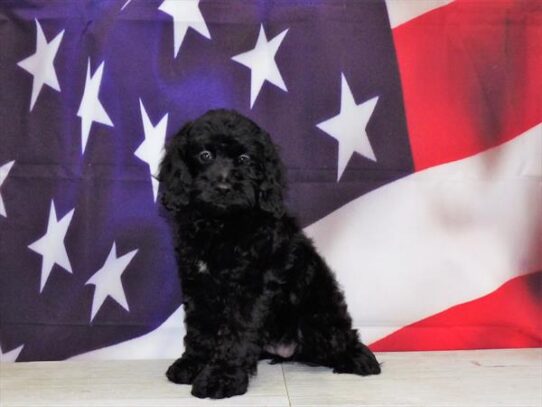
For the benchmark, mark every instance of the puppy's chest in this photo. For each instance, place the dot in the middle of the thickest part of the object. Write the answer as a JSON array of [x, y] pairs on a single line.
[[213, 256], [220, 282], [224, 262], [228, 251]]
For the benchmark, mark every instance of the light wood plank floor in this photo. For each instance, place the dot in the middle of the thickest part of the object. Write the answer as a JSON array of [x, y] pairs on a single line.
[[486, 378]]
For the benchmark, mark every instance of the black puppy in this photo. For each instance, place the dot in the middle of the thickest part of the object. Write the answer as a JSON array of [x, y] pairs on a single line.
[[253, 285]]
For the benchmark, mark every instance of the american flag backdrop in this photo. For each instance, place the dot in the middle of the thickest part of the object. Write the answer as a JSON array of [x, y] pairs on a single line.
[[410, 129]]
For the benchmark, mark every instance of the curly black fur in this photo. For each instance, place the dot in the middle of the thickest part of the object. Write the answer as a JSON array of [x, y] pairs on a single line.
[[253, 284]]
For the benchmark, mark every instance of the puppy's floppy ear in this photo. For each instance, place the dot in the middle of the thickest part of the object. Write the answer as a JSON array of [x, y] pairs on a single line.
[[270, 196], [174, 174]]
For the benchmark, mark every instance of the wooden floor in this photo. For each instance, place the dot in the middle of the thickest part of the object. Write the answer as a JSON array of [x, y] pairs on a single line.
[[469, 378]]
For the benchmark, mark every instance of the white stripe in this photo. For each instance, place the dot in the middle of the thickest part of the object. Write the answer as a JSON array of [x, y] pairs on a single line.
[[419, 245], [437, 238], [164, 342], [401, 11]]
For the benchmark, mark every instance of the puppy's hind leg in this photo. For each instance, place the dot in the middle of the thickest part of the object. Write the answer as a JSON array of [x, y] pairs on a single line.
[[335, 346], [357, 359], [326, 336]]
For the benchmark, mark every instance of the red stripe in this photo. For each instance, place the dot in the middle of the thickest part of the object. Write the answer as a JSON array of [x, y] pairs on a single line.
[[471, 74], [510, 317]]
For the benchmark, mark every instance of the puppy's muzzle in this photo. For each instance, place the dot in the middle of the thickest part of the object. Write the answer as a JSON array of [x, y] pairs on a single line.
[[221, 174], [223, 186]]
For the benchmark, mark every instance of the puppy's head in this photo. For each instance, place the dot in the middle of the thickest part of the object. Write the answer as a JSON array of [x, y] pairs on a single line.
[[222, 162]]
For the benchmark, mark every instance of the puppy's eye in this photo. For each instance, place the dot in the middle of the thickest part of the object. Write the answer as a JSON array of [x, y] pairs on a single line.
[[243, 158], [205, 156]]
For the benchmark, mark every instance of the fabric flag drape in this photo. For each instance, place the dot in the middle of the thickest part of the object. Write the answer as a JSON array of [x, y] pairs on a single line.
[[411, 133]]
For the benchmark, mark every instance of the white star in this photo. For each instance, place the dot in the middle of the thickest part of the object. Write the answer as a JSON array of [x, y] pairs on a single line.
[[51, 245], [10, 356], [125, 4], [152, 148], [4, 172], [185, 14], [107, 280], [91, 109], [348, 127], [262, 64], [40, 64]]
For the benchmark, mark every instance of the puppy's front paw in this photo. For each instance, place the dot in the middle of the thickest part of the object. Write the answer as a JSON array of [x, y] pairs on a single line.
[[362, 362], [184, 370], [218, 383]]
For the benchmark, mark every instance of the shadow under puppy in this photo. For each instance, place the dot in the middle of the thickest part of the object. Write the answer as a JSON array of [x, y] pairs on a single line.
[[253, 284]]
